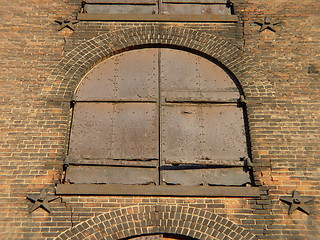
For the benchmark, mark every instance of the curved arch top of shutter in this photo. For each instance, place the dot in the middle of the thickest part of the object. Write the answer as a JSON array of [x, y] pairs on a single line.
[[128, 76]]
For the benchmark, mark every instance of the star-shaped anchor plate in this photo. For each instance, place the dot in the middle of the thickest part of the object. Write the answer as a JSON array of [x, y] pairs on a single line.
[[267, 24], [66, 23], [41, 200], [297, 202]]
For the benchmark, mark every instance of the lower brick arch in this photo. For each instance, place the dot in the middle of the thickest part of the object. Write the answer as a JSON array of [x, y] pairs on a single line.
[[152, 219]]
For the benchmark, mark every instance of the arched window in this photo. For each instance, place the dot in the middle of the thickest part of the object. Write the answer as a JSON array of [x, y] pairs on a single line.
[[158, 116]]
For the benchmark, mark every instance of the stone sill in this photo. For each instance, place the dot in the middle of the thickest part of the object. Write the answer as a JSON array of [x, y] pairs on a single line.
[[153, 190]]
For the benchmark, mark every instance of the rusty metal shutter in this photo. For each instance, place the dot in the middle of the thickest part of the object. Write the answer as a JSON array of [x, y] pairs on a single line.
[[202, 128], [157, 116], [115, 122], [198, 7]]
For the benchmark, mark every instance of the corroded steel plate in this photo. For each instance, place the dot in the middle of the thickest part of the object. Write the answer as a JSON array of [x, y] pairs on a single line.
[[202, 134], [205, 176], [157, 107], [129, 76], [194, 76], [123, 131], [111, 175]]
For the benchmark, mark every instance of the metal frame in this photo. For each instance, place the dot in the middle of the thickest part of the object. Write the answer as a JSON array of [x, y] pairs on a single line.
[[151, 190], [153, 1]]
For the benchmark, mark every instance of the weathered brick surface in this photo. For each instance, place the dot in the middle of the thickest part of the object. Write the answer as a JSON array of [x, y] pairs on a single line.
[[151, 219], [279, 72]]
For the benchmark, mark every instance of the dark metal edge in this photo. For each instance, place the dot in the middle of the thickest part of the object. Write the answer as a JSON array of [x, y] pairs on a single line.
[[122, 2]]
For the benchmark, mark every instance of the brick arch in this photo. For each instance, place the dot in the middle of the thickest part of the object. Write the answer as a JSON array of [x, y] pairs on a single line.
[[70, 70], [152, 219]]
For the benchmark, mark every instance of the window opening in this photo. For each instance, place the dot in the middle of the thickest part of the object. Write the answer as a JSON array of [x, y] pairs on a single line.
[[157, 116], [194, 7]]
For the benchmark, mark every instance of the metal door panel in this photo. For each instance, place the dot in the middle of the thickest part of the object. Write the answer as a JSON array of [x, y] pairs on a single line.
[[187, 8], [137, 74], [180, 134], [190, 75], [224, 134], [123, 131], [99, 83], [121, 9], [213, 176], [215, 79], [202, 134], [129, 76], [91, 132], [111, 175], [178, 71], [135, 131], [199, 121]]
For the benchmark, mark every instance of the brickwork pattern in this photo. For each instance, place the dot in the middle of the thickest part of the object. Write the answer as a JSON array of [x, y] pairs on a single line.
[[286, 130], [280, 79], [142, 220]]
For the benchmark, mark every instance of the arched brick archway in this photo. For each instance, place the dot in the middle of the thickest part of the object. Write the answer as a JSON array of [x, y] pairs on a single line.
[[70, 70], [153, 219]]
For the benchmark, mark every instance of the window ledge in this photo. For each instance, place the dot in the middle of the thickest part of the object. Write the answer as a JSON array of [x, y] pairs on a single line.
[[151, 190], [157, 17]]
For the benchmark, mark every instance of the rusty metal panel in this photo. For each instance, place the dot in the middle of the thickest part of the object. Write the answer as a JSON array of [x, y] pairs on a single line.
[[178, 71], [98, 83], [91, 131], [71, 160], [129, 76], [121, 8], [198, 118], [111, 175], [137, 74], [205, 176], [224, 133], [202, 134], [135, 133], [114, 131], [180, 134], [190, 8], [183, 74]]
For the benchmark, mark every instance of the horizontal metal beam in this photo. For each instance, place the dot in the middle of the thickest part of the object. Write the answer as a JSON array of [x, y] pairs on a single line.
[[200, 100], [151, 190], [157, 17], [151, 2], [196, 1], [95, 99], [154, 1], [112, 162]]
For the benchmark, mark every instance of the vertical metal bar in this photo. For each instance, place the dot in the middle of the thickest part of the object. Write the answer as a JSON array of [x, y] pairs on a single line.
[[159, 116], [71, 113], [159, 7]]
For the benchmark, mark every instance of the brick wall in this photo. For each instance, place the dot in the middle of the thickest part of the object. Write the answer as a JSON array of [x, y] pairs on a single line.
[[280, 75]]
